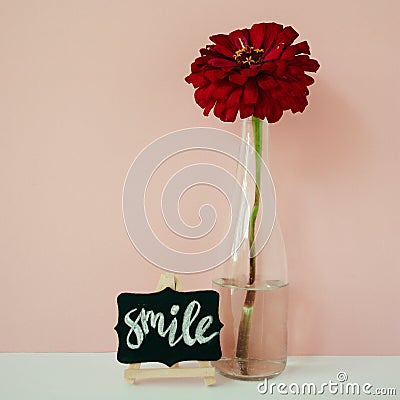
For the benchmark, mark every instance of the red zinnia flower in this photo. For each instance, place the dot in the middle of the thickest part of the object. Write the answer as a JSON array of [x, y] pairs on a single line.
[[256, 71]]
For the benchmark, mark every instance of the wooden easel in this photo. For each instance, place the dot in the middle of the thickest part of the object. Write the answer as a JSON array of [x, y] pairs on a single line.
[[204, 370]]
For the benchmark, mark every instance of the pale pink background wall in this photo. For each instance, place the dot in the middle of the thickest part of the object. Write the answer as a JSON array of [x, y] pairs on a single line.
[[81, 81]]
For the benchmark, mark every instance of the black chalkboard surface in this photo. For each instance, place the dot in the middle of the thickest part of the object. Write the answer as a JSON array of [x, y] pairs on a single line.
[[168, 326]]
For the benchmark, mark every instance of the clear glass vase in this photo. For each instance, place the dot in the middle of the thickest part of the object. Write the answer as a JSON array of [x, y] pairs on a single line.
[[253, 306]]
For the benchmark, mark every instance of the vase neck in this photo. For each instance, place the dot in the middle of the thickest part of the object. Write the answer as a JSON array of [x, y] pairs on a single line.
[[248, 136]]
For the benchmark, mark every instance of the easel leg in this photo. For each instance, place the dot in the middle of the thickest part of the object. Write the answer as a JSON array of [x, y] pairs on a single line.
[[208, 380], [132, 366]]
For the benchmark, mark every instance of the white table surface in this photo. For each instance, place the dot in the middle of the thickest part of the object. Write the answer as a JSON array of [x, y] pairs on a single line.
[[98, 376]]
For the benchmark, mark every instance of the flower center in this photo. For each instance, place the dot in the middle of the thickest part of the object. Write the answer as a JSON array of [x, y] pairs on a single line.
[[248, 55]]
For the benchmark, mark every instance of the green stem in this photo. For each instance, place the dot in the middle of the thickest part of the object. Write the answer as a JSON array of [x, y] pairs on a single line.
[[242, 349], [257, 131]]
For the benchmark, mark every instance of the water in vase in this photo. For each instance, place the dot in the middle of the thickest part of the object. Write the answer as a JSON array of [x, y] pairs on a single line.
[[267, 348]]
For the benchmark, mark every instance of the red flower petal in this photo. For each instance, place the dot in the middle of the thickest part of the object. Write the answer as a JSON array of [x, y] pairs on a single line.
[[257, 35], [275, 52], [305, 63], [276, 112], [208, 108], [198, 64], [223, 62], [282, 95], [287, 36], [272, 109], [291, 51], [258, 110], [308, 80], [202, 96], [302, 47], [237, 78], [197, 80], [242, 34], [223, 50], [246, 110], [213, 75], [219, 109], [234, 97], [271, 32], [269, 67], [299, 104], [281, 68], [249, 72], [266, 82], [250, 92], [231, 114], [312, 66], [221, 90], [223, 40]]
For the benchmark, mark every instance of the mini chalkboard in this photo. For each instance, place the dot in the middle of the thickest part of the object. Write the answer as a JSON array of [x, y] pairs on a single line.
[[168, 326]]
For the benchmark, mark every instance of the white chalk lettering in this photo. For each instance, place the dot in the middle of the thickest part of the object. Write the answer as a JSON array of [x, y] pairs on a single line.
[[188, 320], [139, 326], [203, 325]]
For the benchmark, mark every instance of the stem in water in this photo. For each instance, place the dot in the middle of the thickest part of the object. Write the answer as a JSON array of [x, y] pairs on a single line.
[[242, 349]]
